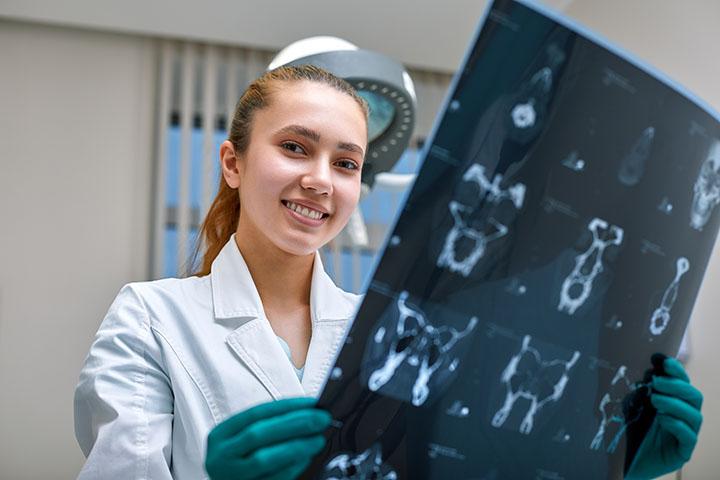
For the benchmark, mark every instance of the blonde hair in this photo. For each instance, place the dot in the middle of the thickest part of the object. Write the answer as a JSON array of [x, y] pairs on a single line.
[[222, 217]]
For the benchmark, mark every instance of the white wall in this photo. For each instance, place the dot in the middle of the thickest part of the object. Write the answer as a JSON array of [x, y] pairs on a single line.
[[398, 28], [76, 112], [683, 40]]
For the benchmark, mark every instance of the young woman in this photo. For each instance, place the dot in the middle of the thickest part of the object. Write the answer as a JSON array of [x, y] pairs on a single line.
[[256, 329]]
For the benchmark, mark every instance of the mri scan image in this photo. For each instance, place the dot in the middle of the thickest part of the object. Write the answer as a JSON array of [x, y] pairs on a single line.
[[620, 407], [466, 242], [414, 351], [706, 191], [633, 165], [577, 286], [367, 465], [538, 381], [661, 316]]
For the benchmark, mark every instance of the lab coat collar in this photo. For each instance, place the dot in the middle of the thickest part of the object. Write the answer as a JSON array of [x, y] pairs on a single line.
[[235, 295], [254, 341]]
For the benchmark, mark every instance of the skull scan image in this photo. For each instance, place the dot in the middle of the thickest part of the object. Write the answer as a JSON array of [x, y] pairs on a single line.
[[706, 193], [528, 377], [475, 238], [614, 410], [367, 465], [661, 316], [632, 166], [578, 284], [407, 356]]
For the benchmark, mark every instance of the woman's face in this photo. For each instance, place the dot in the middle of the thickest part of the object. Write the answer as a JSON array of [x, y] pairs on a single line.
[[299, 179]]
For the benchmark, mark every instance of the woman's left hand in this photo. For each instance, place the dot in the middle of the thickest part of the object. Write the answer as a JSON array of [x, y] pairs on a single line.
[[672, 437]]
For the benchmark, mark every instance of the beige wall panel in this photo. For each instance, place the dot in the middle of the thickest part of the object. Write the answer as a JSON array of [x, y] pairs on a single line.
[[75, 168]]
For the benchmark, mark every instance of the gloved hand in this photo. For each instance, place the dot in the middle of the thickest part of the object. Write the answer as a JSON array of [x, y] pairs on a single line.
[[674, 432], [275, 440]]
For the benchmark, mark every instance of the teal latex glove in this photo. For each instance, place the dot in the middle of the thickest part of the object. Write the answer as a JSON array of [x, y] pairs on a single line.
[[272, 441], [672, 437]]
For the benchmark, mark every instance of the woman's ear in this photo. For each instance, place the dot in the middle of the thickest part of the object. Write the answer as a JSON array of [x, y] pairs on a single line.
[[229, 164]]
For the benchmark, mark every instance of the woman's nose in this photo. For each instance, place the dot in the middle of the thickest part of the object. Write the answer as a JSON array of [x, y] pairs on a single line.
[[318, 177]]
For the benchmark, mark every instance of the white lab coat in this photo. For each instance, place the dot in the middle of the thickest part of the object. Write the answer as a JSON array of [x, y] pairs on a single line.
[[175, 357]]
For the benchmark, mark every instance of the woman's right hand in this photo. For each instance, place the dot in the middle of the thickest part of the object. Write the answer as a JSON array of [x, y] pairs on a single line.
[[275, 440]]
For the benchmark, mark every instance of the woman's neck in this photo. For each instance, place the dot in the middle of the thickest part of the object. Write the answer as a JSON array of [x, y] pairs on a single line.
[[281, 279]]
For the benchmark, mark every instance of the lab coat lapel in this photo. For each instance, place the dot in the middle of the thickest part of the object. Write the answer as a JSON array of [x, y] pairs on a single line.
[[237, 303], [257, 346], [331, 312]]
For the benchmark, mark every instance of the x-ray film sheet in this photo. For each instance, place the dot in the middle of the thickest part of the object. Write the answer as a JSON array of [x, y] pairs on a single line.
[[555, 238]]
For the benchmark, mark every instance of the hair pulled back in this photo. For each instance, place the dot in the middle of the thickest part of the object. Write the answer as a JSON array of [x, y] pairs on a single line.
[[222, 218]]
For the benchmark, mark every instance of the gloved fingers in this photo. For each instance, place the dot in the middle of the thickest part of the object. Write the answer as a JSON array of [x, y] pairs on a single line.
[[269, 460], [291, 472], [676, 387], [679, 409], [278, 429], [685, 437], [240, 421], [674, 368]]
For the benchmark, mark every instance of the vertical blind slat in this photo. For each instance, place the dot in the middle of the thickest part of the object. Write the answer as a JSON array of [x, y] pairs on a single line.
[[186, 118], [209, 106], [165, 55]]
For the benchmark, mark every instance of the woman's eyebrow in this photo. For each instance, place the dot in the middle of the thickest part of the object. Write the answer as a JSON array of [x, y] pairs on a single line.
[[315, 137], [350, 147], [300, 130]]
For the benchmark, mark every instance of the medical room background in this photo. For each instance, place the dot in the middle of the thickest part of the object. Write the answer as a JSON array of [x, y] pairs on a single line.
[[111, 114]]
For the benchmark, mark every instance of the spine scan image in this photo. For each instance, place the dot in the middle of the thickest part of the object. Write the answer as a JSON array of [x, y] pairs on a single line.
[[524, 114], [528, 377], [577, 286], [661, 316], [463, 232]]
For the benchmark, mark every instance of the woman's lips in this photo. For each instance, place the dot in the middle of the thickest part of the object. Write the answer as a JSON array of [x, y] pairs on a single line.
[[304, 214]]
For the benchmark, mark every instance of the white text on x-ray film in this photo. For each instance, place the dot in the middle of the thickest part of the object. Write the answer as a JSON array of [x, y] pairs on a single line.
[[364, 466], [611, 409], [528, 377], [418, 344], [661, 316], [577, 286], [524, 115], [490, 231], [632, 165], [706, 192]]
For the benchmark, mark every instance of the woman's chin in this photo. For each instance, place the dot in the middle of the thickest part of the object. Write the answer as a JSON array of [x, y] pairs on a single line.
[[300, 247]]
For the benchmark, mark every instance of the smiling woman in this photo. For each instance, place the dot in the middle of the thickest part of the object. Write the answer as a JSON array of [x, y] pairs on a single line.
[[259, 322], [278, 97], [304, 150]]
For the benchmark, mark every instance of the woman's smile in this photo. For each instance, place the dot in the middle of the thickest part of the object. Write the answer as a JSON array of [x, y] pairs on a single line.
[[304, 213]]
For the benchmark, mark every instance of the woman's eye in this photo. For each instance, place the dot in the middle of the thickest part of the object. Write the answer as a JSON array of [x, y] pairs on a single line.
[[348, 164], [293, 147]]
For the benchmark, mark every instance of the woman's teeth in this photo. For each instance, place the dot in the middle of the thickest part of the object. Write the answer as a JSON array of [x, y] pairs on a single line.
[[304, 211]]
